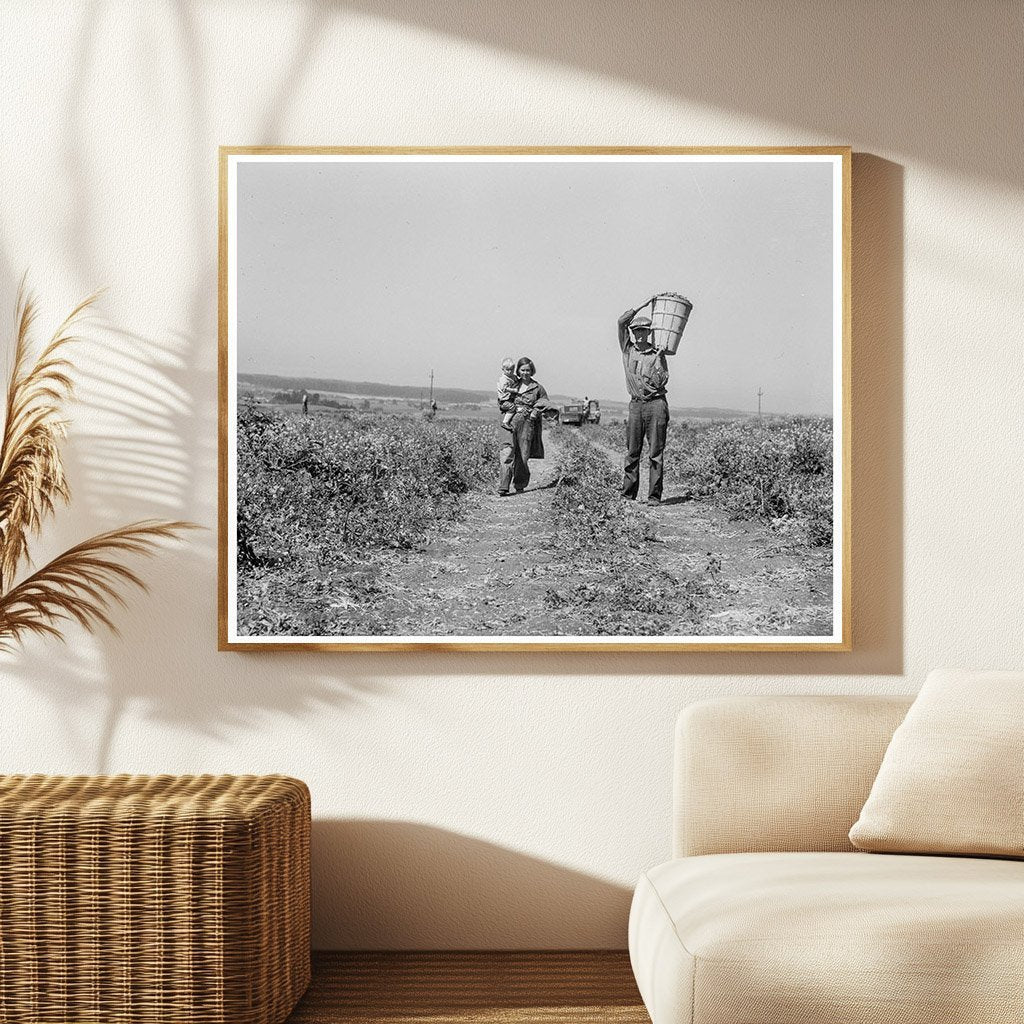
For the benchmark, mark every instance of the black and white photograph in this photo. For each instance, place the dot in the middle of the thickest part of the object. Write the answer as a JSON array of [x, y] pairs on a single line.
[[553, 398]]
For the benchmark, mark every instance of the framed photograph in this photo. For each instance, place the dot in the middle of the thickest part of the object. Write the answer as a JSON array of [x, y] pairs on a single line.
[[557, 399]]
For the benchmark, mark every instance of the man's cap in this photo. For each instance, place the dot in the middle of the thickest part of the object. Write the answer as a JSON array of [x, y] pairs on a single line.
[[640, 321]]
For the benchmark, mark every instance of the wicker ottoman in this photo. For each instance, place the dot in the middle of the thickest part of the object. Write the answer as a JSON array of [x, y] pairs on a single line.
[[132, 899]]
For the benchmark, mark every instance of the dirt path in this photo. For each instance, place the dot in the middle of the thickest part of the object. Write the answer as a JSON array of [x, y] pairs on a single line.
[[488, 574]]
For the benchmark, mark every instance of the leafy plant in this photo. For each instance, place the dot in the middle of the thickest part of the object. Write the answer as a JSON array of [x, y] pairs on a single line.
[[83, 583], [326, 502], [779, 471]]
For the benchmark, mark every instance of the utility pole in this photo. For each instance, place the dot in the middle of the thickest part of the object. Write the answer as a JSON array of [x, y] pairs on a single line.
[[431, 388], [759, 394]]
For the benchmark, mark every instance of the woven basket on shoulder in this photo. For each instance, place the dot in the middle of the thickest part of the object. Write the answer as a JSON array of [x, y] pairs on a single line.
[[144, 899]]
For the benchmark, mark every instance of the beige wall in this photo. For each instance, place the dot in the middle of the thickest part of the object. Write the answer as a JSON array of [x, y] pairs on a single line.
[[480, 800]]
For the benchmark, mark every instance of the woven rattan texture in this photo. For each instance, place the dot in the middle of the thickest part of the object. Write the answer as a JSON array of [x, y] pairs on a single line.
[[143, 899]]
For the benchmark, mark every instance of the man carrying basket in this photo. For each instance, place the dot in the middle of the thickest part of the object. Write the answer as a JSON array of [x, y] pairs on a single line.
[[646, 380]]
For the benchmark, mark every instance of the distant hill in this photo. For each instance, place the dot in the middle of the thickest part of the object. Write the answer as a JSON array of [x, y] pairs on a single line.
[[363, 387], [446, 396], [709, 412]]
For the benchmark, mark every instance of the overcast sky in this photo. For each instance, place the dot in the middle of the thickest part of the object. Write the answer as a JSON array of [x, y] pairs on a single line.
[[383, 271]]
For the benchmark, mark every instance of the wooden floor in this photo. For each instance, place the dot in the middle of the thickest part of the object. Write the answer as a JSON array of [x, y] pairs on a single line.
[[465, 988]]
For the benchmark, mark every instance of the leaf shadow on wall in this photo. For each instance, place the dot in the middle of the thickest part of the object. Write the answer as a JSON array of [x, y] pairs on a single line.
[[405, 885], [146, 446], [152, 449], [905, 79], [137, 456]]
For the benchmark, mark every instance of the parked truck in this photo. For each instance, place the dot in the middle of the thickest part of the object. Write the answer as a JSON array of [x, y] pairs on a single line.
[[580, 411]]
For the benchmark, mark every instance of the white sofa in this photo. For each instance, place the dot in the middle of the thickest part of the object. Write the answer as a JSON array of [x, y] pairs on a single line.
[[768, 915]]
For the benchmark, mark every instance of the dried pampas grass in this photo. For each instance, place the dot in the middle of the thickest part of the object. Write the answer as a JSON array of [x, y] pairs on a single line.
[[82, 584]]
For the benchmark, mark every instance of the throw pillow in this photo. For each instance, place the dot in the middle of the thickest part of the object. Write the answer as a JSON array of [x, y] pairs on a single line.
[[952, 780]]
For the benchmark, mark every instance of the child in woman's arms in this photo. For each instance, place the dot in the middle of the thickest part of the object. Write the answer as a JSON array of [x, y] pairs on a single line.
[[508, 385]]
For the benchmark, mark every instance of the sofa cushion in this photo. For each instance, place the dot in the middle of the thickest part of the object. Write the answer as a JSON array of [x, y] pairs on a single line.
[[789, 938], [950, 781], [777, 772]]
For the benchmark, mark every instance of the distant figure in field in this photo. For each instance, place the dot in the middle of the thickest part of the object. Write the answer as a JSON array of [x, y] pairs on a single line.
[[646, 381], [433, 405], [508, 384], [526, 406], [305, 404]]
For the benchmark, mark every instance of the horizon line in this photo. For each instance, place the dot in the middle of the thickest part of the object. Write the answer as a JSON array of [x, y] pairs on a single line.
[[559, 394]]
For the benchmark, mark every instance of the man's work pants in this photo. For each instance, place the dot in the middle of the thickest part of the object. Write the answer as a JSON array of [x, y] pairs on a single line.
[[646, 419]]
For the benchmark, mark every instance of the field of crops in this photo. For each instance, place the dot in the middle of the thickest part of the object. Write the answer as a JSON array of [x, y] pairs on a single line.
[[369, 523], [322, 500], [747, 531], [778, 471]]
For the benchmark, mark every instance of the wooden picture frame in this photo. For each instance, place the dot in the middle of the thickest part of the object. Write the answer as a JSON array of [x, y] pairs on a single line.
[[782, 207]]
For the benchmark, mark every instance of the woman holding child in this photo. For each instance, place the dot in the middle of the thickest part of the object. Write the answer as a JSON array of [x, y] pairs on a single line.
[[522, 401]]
